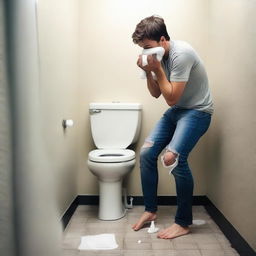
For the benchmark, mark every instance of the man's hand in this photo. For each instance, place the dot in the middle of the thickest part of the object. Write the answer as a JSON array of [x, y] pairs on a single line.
[[153, 63]]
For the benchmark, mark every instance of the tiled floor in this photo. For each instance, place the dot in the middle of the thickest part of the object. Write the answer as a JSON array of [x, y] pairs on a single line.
[[204, 240]]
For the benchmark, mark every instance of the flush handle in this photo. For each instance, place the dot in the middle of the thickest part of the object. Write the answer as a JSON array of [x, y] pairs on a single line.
[[94, 111]]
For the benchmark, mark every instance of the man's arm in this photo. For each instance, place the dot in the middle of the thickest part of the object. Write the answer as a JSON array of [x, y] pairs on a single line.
[[171, 91], [153, 86], [151, 83]]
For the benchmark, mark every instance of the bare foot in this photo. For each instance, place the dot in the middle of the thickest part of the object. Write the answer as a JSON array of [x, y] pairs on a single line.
[[173, 231], [146, 216]]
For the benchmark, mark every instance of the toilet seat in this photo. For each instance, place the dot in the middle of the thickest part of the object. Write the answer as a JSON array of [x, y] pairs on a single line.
[[111, 155]]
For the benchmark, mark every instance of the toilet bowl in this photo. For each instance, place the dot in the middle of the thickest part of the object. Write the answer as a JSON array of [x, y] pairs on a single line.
[[114, 127], [110, 167], [107, 160]]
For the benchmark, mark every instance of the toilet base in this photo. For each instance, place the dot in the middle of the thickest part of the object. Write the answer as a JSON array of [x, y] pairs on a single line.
[[110, 201], [110, 177]]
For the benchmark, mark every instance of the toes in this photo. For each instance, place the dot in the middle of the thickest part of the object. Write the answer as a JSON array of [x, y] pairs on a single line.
[[159, 233], [166, 235], [144, 218], [172, 232], [162, 233], [137, 226], [172, 235]]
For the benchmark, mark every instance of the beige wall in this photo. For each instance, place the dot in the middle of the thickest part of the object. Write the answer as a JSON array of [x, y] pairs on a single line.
[[232, 61], [58, 56], [108, 72]]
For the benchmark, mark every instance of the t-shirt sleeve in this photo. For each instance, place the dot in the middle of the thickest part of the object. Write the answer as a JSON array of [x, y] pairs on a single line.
[[181, 67]]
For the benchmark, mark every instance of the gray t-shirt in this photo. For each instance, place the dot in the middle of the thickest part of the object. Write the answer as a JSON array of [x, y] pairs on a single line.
[[184, 65]]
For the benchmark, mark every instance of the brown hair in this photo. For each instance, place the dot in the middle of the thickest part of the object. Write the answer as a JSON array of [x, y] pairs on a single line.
[[151, 28]]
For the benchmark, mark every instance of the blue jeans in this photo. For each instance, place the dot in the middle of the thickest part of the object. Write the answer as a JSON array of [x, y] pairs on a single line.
[[178, 131]]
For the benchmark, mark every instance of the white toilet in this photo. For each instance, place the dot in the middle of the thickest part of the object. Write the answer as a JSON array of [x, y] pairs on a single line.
[[114, 127]]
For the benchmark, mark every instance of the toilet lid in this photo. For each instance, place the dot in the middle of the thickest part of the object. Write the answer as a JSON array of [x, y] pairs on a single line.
[[111, 155]]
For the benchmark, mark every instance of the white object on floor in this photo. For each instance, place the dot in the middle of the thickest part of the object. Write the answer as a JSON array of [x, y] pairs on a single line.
[[98, 242], [139, 241], [172, 166], [199, 222], [152, 228]]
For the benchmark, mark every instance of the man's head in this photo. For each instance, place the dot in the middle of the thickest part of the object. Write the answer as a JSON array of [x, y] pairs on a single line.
[[150, 32]]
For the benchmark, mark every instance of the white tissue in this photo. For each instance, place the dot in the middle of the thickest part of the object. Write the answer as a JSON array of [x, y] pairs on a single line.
[[199, 222], [152, 228], [158, 51], [144, 60], [98, 242]]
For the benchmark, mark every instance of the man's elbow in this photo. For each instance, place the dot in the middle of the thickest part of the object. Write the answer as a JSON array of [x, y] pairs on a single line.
[[171, 102], [156, 95]]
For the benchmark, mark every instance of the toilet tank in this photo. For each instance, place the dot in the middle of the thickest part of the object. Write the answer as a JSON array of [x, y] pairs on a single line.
[[115, 125]]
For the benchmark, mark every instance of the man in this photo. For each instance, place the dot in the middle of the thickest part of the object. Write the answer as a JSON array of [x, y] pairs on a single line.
[[182, 80]]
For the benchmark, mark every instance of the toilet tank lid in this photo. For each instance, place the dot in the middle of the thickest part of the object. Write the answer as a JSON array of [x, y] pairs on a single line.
[[115, 105]]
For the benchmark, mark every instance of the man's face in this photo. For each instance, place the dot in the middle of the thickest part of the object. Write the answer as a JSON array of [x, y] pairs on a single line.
[[147, 44]]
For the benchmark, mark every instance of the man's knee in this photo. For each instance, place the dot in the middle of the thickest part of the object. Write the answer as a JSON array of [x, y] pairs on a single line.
[[169, 158], [147, 144], [145, 150]]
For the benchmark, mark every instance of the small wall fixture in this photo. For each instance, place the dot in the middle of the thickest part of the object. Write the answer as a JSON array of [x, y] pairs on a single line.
[[67, 123]]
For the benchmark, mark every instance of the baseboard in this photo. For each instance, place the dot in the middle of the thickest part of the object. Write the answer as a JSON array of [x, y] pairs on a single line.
[[138, 200], [69, 212], [87, 200], [236, 240]]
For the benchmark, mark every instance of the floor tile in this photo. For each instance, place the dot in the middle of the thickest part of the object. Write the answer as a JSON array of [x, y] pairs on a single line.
[[163, 252], [203, 240], [131, 252], [161, 244], [208, 238], [187, 253], [137, 244], [212, 252], [69, 252], [100, 253], [231, 252], [211, 246], [71, 243]]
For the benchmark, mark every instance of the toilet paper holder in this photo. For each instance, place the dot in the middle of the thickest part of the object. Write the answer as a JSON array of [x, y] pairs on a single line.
[[67, 123]]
